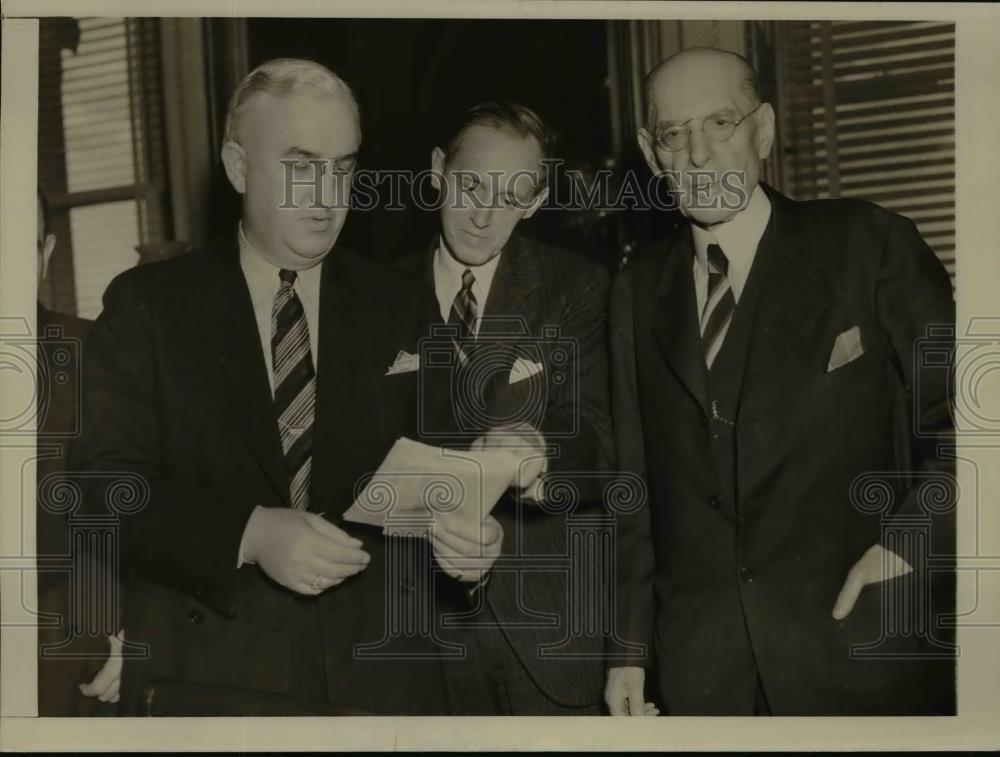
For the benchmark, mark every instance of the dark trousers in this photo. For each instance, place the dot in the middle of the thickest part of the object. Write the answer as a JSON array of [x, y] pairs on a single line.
[[492, 680], [308, 660], [760, 705]]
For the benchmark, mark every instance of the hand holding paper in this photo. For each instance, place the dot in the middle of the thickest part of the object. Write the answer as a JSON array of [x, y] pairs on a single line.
[[418, 484], [468, 554]]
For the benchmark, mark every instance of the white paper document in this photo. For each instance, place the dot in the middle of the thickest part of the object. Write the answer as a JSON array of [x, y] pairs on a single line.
[[417, 484]]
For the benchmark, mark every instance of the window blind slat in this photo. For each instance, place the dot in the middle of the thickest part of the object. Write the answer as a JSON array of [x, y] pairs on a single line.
[[871, 115]]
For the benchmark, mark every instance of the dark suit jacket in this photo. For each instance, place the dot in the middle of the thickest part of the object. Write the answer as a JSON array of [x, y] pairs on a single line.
[[718, 592], [176, 395], [546, 305], [66, 657]]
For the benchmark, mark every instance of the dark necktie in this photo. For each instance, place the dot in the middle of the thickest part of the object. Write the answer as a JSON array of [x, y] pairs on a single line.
[[719, 305], [465, 309], [294, 387]]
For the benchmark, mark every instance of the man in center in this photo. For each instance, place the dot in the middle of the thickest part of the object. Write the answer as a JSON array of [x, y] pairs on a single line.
[[527, 324]]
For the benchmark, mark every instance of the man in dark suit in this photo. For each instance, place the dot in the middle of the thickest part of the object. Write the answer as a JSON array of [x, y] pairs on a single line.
[[530, 375], [73, 678], [239, 393], [767, 383]]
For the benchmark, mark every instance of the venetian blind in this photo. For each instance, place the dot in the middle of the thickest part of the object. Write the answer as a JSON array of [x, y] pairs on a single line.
[[868, 111], [101, 151]]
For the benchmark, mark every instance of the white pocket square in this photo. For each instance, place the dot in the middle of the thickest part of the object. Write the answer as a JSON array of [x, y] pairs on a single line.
[[847, 347], [523, 369], [404, 363]]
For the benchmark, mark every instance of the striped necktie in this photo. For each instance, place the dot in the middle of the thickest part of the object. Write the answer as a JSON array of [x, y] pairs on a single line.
[[465, 309], [719, 305], [294, 387]]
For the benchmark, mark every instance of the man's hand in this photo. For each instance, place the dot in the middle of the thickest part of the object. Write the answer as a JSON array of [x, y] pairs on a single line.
[[106, 685], [302, 551], [525, 443], [464, 553], [876, 565], [623, 693]]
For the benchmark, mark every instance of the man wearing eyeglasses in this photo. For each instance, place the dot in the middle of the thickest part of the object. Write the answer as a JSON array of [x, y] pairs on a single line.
[[767, 382]]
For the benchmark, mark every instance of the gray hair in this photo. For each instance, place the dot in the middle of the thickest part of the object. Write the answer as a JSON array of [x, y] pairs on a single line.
[[283, 76]]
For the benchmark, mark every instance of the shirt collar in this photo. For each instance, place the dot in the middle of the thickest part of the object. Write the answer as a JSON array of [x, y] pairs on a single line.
[[262, 275], [739, 236], [448, 274]]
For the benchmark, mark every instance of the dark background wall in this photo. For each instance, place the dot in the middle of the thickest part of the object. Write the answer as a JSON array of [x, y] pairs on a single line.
[[411, 75]]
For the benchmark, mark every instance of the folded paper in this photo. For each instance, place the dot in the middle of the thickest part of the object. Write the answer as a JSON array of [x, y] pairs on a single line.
[[418, 484]]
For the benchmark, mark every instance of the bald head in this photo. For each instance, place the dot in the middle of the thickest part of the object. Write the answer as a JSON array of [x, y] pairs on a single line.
[[708, 131], [699, 67]]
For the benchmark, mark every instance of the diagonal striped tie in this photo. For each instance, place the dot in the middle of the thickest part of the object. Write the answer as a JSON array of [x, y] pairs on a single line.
[[464, 308], [294, 387], [719, 305]]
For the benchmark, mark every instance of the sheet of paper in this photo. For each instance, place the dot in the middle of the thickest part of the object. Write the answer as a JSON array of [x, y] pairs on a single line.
[[418, 483]]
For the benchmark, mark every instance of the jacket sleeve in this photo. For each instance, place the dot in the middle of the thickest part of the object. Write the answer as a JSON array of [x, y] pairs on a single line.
[[583, 403], [916, 309], [171, 530], [632, 642]]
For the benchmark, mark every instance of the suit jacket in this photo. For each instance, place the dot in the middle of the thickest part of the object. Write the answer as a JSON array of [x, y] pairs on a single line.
[[178, 412], [545, 306], [66, 657], [719, 593]]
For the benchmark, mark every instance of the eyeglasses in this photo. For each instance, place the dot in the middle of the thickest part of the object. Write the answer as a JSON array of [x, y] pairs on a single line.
[[718, 127]]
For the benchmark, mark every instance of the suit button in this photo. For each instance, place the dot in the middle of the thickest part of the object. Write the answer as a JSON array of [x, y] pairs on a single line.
[[746, 574], [196, 617], [715, 501]]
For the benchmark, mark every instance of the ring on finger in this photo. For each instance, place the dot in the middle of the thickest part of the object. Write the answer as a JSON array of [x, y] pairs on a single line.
[[315, 583]]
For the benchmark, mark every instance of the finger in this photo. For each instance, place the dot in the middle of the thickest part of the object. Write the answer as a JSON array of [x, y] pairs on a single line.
[[636, 704], [617, 703], [848, 594], [449, 545], [485, 532], [325, 527], [100, 683], [529, 470], [449, 567], [326, 571], [116, 699], [304, 587], [334, 552]]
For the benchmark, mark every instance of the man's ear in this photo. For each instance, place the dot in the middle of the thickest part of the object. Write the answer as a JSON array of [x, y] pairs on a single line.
[[646, 144], [234, 158], [537, 203], [764, 135], [48, 247], [437, 168]]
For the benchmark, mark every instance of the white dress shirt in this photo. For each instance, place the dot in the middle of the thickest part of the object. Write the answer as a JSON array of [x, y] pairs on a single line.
[[448, 281], [738, 237], [263, 283]]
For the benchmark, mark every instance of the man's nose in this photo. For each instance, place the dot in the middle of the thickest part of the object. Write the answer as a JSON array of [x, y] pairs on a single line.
[[699, 147], [482, 216]]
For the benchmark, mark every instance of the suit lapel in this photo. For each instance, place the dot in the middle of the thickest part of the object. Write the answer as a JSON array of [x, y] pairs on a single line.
[[227, 330], [510, 307], [513, 292], [675, 319], [338, 311], [792, 295]]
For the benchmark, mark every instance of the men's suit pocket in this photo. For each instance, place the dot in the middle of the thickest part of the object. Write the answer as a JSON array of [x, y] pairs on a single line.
[[855, 369]]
